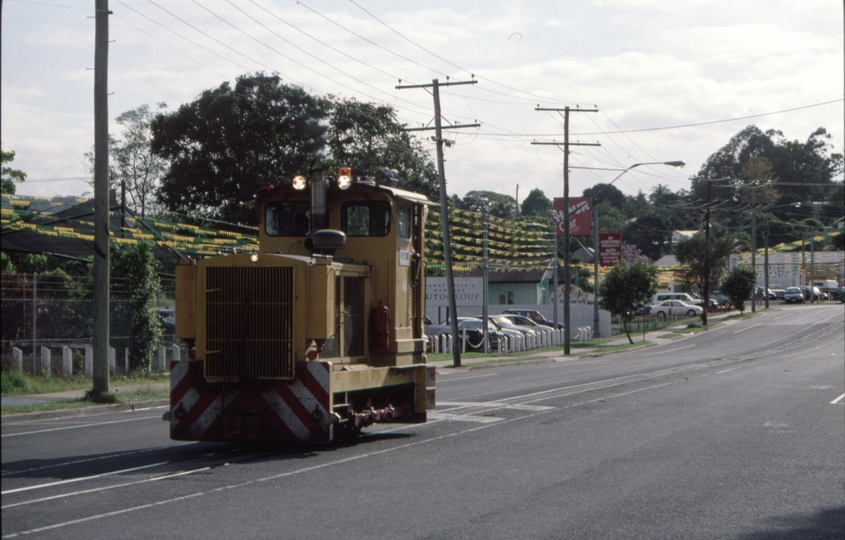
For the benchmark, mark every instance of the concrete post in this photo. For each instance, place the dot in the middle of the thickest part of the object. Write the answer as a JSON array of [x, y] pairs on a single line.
[[46, 361], [162, 358], [112, 360], [17, 360], [126, 360], [177, 355], [67, 361], [88, 364]]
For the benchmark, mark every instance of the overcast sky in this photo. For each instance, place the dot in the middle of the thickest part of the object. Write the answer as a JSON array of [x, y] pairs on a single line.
[[645, 64]]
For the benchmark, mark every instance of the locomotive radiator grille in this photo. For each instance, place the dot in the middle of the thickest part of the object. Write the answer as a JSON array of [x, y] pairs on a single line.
[[249, 322]]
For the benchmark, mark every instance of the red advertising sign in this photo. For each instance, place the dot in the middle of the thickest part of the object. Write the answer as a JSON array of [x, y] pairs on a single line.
[[579, 216], [610, 248]]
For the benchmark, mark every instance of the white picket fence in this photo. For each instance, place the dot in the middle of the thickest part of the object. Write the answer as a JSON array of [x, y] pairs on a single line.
[[524, 342], [43, 364]]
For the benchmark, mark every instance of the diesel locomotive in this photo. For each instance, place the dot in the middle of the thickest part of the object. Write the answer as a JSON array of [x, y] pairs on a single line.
[[317, 334]]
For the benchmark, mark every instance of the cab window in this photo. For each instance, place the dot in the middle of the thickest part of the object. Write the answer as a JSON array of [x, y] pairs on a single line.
[[287, 218], [366, 218], [403, 222]]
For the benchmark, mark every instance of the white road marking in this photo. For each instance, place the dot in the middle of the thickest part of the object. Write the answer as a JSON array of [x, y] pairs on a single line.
[[784, 316], [146, 480], [837, 400], [82, 478], [78, 461], [724, 371], [80, 426], [747, 328], [664, 352], [441, 381]]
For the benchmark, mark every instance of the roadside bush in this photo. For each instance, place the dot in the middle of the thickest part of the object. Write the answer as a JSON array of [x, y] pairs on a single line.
[[739, 286]]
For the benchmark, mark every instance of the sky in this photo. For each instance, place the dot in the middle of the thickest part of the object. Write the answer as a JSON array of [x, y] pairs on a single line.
[[671, 80]]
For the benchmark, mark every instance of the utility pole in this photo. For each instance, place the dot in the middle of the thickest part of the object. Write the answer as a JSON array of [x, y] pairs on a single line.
[[100, 339], [566, 277], [444, 202], [754, 246]]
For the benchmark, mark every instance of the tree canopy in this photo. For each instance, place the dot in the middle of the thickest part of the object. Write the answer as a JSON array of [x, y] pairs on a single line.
[[367, 137], [233, 141], [739, 285]]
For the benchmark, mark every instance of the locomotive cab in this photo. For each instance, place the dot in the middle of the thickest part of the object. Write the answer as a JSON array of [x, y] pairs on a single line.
[[317, 334]]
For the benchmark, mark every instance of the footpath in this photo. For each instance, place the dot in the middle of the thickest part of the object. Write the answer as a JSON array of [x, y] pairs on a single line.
[[655, 338]]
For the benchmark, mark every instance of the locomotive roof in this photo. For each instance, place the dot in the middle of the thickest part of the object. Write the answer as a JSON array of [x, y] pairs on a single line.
[[395, 192]]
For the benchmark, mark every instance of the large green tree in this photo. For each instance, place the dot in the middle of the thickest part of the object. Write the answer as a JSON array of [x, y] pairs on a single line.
[[626, 288], [233, 141], [791, 162], [9, 175], [368, 137]]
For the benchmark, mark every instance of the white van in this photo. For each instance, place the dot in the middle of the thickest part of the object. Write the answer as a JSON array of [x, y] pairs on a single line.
[[683, 297]]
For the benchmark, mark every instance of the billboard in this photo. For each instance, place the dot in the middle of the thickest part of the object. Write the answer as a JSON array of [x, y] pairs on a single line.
[[580, 216], [468, 292], [610, 248]]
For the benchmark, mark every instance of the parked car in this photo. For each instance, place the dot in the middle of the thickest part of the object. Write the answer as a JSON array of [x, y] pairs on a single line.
[[167, 320], [683, 297], [720, 297], [494, 332], [813, 294], [675, 307], [793, 294], [838, 294], [505, 322], [525, 321], [778, 293], [474, 336], [535, 316]]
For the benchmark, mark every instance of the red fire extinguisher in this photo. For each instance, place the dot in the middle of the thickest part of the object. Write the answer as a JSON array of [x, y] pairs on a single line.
[[379, 329]]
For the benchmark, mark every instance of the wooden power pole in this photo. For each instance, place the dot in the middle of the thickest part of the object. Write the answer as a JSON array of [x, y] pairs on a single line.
[[100, 340], [567, 279], [444, 202]]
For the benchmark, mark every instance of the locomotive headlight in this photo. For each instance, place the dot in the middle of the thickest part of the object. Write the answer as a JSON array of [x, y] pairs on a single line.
[[344, 177], [299, 182], [254, 257]]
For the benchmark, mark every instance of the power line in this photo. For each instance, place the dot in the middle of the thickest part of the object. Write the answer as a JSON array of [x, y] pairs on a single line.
[[713, 121]]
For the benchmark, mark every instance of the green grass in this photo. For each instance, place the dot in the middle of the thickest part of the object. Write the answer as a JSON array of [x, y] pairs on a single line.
[[147, 393], [18, 384]]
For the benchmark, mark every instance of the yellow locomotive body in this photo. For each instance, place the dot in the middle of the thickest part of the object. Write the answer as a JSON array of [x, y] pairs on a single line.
[[317, 334]]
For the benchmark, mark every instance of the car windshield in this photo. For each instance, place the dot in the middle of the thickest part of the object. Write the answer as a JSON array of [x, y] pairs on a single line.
[[504, 321]]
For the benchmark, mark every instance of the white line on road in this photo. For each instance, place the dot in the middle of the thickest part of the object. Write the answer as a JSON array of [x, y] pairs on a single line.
[[440, 381], [746, 328], [784, 316], [837, 400], [82, 478], [80, 426], [146, 480], [724, 371], [664, 352], [87, 460]]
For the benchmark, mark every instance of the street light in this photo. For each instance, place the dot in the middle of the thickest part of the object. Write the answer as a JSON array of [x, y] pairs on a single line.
[[678, 164]]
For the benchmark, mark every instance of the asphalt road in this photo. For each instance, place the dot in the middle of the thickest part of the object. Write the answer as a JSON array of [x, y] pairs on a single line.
[[738, 432]]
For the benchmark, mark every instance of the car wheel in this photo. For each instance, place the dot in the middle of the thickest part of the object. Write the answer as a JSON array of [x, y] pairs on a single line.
[[661, 315], [691, 313]]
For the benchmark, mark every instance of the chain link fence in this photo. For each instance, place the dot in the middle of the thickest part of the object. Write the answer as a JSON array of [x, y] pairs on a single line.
[[55, 311]]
